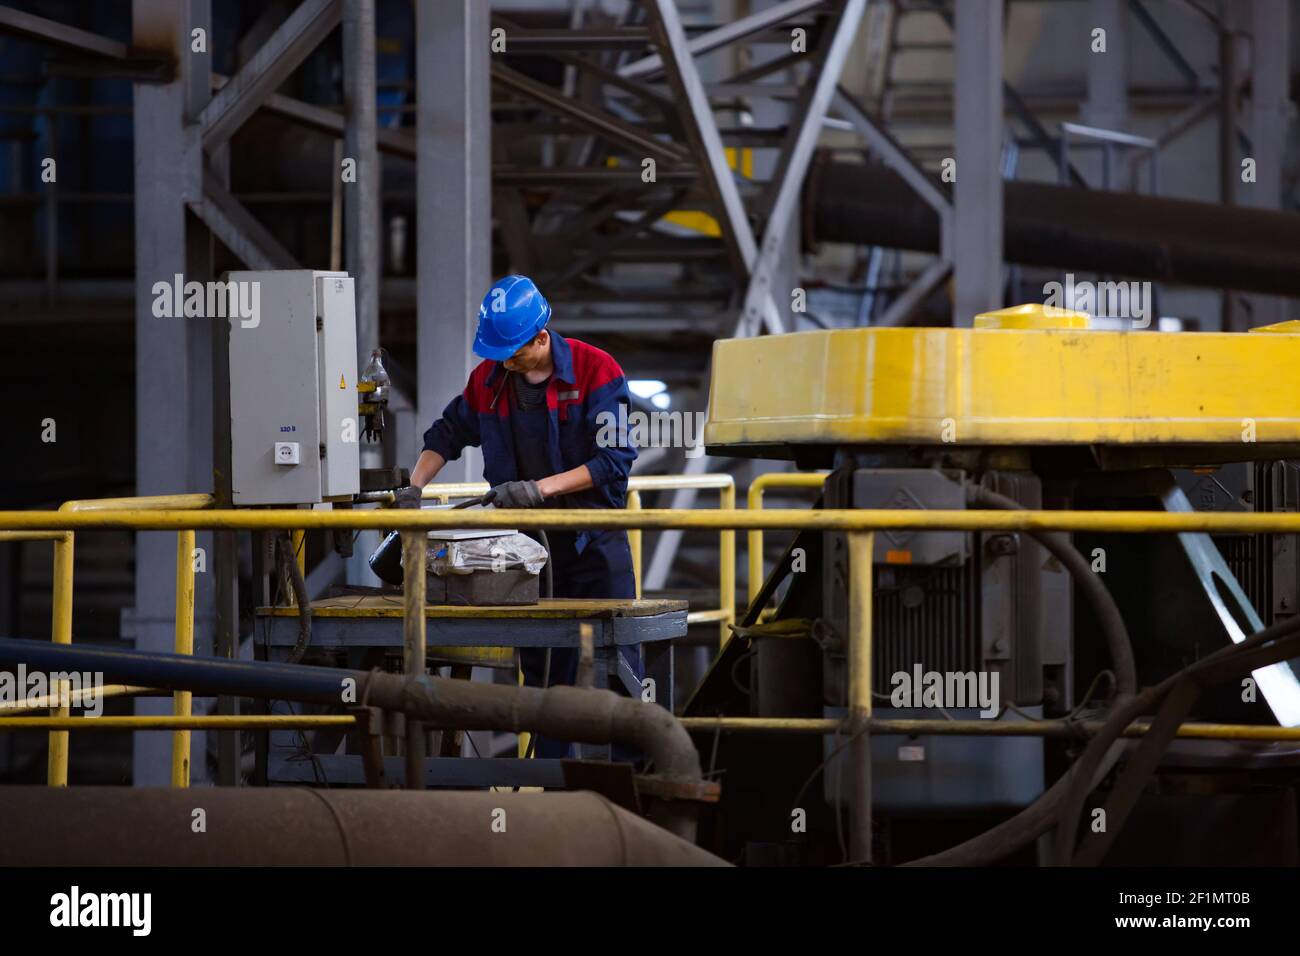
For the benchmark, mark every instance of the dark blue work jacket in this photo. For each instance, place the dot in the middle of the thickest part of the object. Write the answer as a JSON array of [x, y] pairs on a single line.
[[584, 425]]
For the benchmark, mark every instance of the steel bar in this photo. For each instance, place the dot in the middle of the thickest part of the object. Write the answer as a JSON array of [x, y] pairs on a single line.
[[240, 231], [702, 131], [728, 33], [270, 66], [362, 204], [1166, 45], [606, 124], [892, 153], [31, 27]]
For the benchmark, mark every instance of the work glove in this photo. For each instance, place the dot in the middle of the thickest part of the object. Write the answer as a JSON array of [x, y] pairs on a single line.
[[408, 497], [516, 494]]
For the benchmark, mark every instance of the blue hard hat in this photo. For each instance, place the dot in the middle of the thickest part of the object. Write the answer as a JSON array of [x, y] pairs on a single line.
[[512, 314]]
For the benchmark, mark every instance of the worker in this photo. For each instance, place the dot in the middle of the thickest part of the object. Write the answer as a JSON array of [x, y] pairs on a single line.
[[536, 405]]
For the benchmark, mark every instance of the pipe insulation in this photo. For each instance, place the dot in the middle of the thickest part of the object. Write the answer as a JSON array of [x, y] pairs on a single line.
[[1070, 229], [294, 826]]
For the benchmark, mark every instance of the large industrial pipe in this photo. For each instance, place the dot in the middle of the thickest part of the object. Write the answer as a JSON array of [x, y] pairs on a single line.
[[564, 713], [1074, 230], [292, 826]]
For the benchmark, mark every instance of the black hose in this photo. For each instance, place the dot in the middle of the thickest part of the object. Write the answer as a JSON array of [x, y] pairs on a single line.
[[1037, 818], [1224, 664], [288, 562]]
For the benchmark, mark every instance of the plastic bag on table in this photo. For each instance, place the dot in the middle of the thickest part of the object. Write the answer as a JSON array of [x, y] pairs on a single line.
[[501, 553]]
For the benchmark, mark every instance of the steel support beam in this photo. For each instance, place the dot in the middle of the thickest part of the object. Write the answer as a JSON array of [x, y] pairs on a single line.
[[606, 124], [892, 154], [453, 175], [53, 33], [361, 206], [1270, 122], [729, 33], [977, 199], [237, 228], [1107, 73], [173, 356], [702, 131], [805, 127], [271, 65]]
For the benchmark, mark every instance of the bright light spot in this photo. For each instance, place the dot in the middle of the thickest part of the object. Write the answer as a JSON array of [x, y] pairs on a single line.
[[645, 387], [661, 400]]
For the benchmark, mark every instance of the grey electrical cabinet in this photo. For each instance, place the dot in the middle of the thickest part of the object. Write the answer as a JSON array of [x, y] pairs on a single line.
[[293, 388]]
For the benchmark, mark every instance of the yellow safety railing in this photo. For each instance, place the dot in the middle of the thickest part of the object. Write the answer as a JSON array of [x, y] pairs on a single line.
[[771, 479], [56, 772], [860, 527], [725, 485], [57, 769]]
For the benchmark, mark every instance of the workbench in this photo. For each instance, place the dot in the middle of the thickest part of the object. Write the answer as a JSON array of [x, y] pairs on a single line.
[[358, 629]]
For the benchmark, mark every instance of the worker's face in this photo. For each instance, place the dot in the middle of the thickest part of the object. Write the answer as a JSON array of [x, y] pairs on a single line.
[[531, 355]]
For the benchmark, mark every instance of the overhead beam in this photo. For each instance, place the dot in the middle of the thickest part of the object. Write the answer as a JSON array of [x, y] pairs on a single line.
[[606, 124], [728, 33], [270, 66], [53, 33], [328, 120]]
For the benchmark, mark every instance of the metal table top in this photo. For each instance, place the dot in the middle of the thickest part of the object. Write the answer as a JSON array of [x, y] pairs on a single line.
[[376, 621]]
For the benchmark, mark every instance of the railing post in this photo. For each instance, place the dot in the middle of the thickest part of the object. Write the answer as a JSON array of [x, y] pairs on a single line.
[[861, 547], [634, 540], [727, 575], [413, 635], [183, 699], [61, 633], [754, 544]]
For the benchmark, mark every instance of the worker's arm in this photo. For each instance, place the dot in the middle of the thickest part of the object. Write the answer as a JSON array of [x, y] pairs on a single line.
[[447, 437], [426, 468], [566, 482]]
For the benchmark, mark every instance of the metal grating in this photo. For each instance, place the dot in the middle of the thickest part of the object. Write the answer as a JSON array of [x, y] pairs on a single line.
[[940, 632]]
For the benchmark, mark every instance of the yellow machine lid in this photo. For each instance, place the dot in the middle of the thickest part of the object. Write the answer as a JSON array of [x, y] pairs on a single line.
[[1020, 386]]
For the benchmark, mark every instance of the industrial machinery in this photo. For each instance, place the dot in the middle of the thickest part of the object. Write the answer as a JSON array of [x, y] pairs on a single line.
[[1029, 409]]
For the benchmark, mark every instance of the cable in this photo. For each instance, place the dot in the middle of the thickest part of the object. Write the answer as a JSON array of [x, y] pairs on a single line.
[[1037, 818], [288, 561]]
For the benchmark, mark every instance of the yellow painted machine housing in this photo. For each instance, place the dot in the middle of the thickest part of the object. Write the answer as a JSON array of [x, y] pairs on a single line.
[[1015, 379]]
